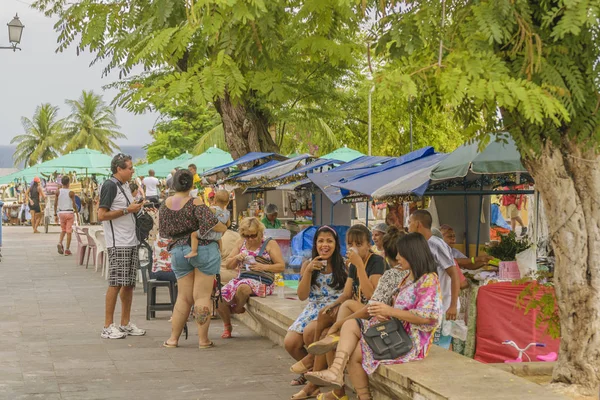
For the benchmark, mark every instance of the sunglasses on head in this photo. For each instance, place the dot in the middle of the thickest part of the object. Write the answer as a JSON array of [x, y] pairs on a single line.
[[254, 236]]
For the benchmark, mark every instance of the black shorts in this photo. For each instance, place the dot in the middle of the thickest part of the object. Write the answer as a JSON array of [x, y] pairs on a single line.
[[35, 207]]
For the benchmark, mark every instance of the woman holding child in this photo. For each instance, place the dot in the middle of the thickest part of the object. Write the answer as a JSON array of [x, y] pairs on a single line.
[[257, 259], [416, 303], [181, 215]]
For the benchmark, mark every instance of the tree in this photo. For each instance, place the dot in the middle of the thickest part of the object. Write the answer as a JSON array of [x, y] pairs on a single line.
[[250, 58], [185, 128], [92, 124], [39, 142], [529, 67]]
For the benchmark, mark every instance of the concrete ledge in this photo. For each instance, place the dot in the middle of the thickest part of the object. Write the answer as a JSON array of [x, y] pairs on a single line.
[[443, 375], [527, 368]]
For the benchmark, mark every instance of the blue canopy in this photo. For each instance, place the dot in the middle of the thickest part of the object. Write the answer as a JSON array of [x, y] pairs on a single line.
[[273, 170], [408, 178], [325, 180], [306, 168], [242, 160], [408, 157], [251, 171]]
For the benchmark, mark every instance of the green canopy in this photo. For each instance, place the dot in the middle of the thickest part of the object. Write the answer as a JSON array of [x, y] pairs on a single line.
[[499, 157], [143, 169], [344, 154], [211, 158], [164, 169], [90, 161]]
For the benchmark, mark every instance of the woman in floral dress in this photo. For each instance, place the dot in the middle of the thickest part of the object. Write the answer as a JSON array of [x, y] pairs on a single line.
[[237, 291], [418, 304], [322, 281]]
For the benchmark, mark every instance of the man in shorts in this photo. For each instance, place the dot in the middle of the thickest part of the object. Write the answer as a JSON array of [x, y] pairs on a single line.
[[421, 221], [117, 211]]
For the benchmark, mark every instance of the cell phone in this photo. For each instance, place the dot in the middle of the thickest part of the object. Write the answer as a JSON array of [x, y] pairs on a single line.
[[139, 201]]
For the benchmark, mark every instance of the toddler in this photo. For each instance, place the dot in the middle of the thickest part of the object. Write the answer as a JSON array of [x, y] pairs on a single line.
[[223, 215]]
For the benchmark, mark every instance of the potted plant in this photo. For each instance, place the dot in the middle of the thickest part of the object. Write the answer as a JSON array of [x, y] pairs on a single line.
[[506, 251]]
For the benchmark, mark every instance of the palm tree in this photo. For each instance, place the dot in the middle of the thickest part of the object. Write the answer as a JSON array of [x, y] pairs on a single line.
[[40, 142], [92, 124]]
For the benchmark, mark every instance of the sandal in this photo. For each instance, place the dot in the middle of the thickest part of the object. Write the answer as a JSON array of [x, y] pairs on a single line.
[[299, 368], [227, 332], [61, 249], [169, 346], [303, 395], [206, 346], [323, 396], [324, 345], [299, 381]]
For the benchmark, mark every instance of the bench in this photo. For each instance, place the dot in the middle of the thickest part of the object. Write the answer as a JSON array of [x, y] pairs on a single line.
[[442, 375]]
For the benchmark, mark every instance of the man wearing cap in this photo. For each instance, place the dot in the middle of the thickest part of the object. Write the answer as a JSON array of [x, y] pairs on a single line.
[[378, 232], [270, 220]]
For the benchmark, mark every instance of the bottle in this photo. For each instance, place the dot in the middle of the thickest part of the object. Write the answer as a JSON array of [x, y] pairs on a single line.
[[280, 286]]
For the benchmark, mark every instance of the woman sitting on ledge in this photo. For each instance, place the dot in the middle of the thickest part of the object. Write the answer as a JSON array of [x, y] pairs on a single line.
[[322, 281], [252, 254], [417, 303]]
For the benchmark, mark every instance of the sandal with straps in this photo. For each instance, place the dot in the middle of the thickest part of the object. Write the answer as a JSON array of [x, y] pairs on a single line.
[[227, 331], [299, 381], [303, 395], [323, 396]]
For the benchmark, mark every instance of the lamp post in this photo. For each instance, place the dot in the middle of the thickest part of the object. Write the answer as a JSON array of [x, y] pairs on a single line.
[[15, 30]]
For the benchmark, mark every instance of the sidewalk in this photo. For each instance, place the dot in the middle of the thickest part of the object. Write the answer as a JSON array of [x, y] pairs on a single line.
[[51, 315]]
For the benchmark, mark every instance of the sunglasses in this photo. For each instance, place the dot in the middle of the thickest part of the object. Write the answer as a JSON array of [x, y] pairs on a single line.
[[250, 236]]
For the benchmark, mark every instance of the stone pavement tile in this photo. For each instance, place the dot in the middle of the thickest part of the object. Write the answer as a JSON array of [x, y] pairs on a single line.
[[96, 352], [9, 355], [38, 396], [41, 385], [147, 365], [82, 365], [131, 353], [38, 368]]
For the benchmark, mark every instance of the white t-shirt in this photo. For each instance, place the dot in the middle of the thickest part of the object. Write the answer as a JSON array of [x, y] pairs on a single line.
[[444, 259], [151, 184], [119, 232]]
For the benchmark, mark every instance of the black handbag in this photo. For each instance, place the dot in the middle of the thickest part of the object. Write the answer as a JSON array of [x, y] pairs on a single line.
[[262, 276], [143, 221], [388, 340]]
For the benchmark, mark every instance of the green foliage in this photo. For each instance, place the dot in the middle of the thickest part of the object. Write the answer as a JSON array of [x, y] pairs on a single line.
[[540, 298], [39, 142], [508, 248], [92, 124], [184, 128], [535, 63]]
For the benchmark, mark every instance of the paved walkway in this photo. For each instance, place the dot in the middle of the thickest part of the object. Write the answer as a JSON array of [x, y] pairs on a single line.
[[51, 314]]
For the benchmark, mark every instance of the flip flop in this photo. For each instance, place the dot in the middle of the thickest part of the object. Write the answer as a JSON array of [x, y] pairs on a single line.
[[169, 346], [60, 248], [206, 346]]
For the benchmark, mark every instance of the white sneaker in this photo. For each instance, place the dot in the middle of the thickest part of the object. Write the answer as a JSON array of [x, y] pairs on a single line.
[[112, 332], [132, 330]]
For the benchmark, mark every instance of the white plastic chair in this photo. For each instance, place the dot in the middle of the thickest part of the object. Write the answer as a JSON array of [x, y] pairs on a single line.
[[101, 243]]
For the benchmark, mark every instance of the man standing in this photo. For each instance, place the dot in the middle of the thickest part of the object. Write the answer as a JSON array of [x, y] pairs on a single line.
[[270, 220], [117, 213], [151, 185], [192, 168], [65, 210], [421, 221]]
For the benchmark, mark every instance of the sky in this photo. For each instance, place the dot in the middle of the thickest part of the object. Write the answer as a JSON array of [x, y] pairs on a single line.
[[37, 74]]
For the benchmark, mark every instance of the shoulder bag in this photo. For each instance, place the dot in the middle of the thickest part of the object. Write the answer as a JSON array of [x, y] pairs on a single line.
[[143, 221], [262, 276], [388, 340]]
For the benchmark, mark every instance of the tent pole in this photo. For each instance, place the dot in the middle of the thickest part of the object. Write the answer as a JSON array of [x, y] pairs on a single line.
[[537, 217], [466, 220], [331, 219], [321, 207], [479, 217], [367, 213]]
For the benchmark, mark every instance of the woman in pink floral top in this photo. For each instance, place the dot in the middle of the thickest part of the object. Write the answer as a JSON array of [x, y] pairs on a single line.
[[417, 303]]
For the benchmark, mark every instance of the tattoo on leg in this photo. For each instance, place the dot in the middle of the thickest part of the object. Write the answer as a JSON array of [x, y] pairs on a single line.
[[201, 315]]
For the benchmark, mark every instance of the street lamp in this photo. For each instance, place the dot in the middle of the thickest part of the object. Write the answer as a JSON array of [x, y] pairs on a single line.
[[15, 30]]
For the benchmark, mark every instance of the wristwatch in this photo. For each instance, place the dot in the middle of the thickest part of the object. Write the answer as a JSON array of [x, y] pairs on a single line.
[[125, 211]]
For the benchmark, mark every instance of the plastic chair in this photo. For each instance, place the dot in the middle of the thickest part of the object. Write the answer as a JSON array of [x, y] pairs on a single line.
[[150, 286], [81, 244], [91, 247], [101, 251]]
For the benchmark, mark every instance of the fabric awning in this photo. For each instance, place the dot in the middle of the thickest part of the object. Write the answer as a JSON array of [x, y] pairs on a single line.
[[345, 154], [254, 156], [279, 168]]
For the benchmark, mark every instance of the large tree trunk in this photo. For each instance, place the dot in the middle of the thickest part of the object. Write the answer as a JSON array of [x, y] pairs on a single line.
[[568, 179], [246, 130]]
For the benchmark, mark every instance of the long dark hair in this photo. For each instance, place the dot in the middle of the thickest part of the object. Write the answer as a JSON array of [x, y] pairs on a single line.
[[414, 248], [34, 187], [337, 261], [183, 180]]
